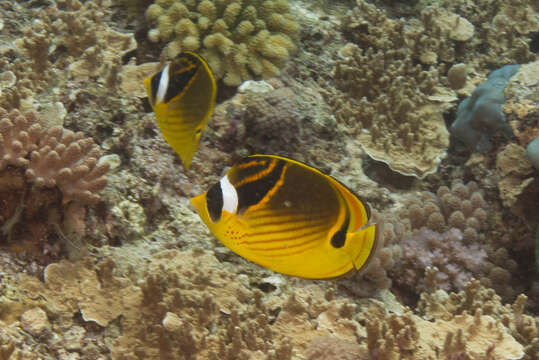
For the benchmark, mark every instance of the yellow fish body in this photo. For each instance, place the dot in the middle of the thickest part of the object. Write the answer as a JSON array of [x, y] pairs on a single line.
[[182, 96], [290, 218]]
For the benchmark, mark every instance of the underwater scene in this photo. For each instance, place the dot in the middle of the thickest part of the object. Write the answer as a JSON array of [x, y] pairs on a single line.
[[269, 179]]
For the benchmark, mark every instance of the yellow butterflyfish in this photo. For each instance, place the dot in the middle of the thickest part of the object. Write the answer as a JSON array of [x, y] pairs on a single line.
[[182, 96], [290, 218]]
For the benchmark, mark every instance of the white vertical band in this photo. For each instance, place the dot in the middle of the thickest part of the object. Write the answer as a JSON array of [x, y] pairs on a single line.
[[230, 196], [163, 85]]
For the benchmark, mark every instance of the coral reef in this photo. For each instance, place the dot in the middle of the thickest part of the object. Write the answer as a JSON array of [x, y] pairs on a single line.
[[480, 301], [239, 40], [212, 313], [391, 75], [187, 306], [46, 177], [148, 280]]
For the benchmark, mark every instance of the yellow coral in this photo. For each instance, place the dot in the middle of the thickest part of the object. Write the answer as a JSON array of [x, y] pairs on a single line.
[[243, 39], [245, 28], [164, 3], [177, 11], [186, 27], [220, 26], [231, 13], [153, 12], [281, 6], [207, 8], [204, 23], [249, 13], [191, 43], [220, 42], [166, 27]]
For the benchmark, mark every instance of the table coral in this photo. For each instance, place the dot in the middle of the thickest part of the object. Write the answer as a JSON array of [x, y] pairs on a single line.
[[239, 40], [46, 177]]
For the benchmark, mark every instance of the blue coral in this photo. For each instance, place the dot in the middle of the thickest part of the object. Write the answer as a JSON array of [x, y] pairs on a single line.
[[480, 116], [532, 152]]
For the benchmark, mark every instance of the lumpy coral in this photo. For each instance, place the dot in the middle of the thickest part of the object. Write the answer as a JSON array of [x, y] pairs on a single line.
[[448, 232], [241, 40], [46, 177]]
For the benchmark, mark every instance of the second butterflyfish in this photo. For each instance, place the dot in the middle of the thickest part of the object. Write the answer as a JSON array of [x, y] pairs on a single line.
[[290, 218], [182, 96]]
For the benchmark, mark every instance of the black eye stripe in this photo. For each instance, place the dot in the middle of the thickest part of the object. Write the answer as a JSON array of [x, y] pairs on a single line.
[[214, 202]]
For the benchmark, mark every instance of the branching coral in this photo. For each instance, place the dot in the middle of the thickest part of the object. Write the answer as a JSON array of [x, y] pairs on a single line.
[[45, 177], [68, 160], [69, 35], [240, 40], [386, 93]]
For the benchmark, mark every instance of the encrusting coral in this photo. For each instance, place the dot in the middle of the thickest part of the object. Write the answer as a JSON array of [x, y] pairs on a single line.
[[239, 40], [46, 177]]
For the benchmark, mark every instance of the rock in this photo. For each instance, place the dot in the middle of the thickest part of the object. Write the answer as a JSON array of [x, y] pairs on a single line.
[[458, 27], [172, 322], [456, 76], [35, 321]]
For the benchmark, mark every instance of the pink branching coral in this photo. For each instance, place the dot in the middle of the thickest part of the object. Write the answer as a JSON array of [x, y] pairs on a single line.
[[18, 137], [46, 177], [68, 160]]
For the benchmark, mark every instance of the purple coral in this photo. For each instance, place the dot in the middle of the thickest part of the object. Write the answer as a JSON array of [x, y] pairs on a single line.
[[448, 233], [457, 261]]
